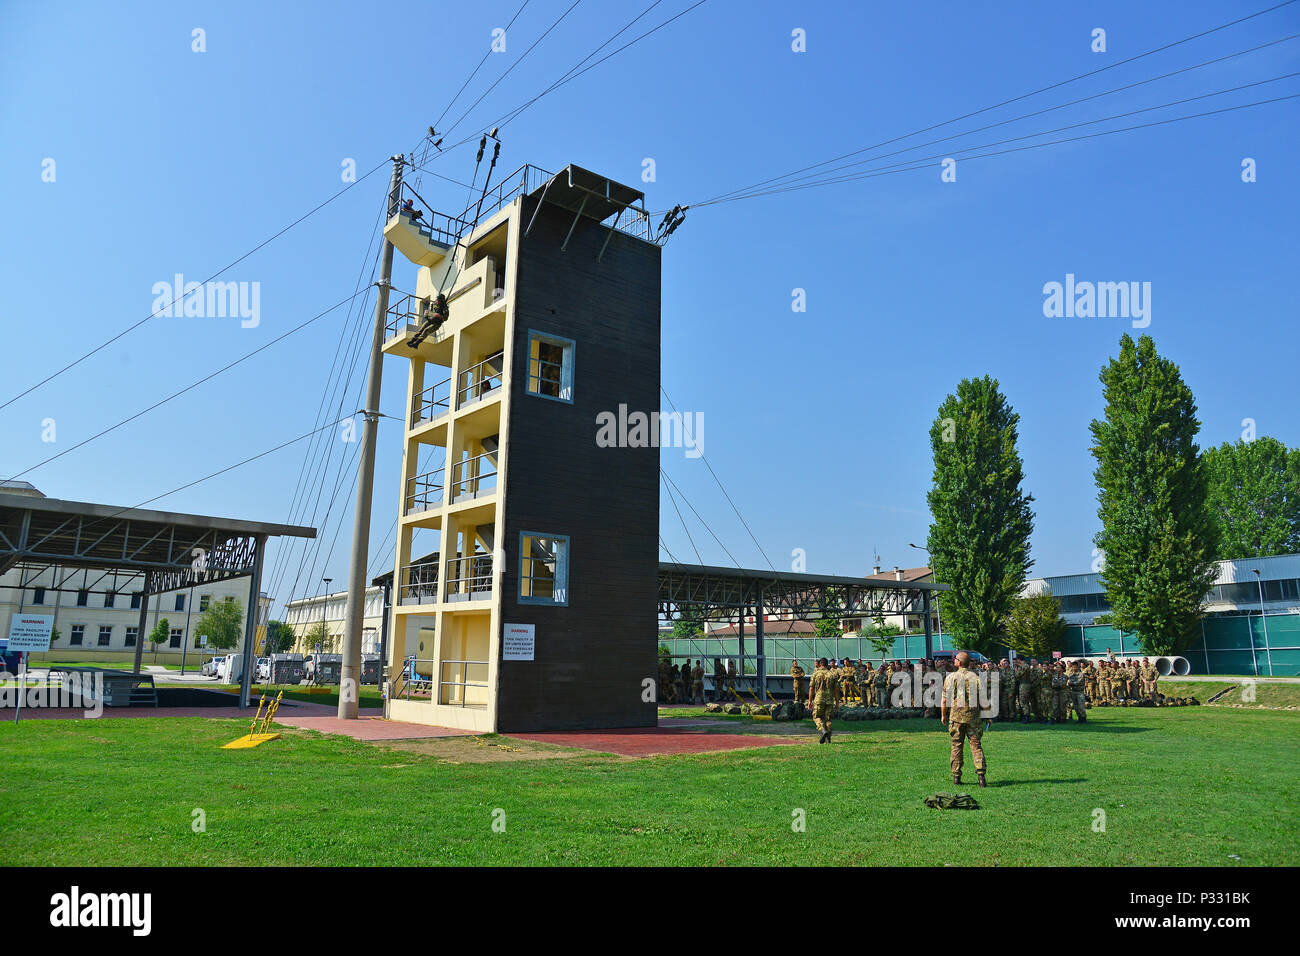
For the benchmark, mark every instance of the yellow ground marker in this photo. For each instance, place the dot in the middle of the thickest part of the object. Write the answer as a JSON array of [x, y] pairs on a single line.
[[258, 735]]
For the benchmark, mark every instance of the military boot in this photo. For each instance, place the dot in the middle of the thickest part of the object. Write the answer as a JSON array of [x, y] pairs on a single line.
[[980, 773], [956, 780]]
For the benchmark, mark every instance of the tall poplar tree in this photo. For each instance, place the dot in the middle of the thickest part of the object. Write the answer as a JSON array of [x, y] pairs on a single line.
[[1254, 497], [979, 535], [1156, 532]]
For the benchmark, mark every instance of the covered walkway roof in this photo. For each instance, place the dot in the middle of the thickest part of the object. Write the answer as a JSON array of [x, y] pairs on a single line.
[[803, 596]]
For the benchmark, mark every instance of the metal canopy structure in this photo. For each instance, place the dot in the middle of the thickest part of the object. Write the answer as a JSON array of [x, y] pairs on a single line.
[[161, 550], [801, 596], [740, 592], [593, 196]]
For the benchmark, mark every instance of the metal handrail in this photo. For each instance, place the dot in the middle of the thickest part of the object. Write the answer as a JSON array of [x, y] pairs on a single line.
[[480, 379], [404, 315], [433, 225], [422, 492], [419, 584], [471, 477], [527, 179], [413, 680], [469, 578], [454, 683], [426, 405]]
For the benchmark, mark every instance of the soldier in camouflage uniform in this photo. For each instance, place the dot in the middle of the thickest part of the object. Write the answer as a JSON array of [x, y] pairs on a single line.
[[1025, 690], [823, 697], [959, 710], [665, 694], [1076, 682], [882, 686], [1090, 680], [848, 681], [1044, 711], [867, 681], [800, 685], [1059, 689], [697, 683], [1006, 690]]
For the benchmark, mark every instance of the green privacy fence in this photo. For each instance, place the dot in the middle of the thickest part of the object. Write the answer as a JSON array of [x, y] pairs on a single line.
[[1237, 644]]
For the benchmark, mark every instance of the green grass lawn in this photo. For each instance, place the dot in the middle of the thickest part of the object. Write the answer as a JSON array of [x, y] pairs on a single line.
[[1265, 695], [1178, 786]]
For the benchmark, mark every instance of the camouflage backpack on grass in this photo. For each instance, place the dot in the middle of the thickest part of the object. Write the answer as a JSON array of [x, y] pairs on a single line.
[[952, 801]]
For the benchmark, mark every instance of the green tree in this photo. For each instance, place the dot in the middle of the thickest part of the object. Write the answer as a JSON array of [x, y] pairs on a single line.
[[979, 535], [160, 633], [690, 623], [1254, 498], [1035, 627], [279, 637], [316, 634], [880, 635], [222, 624], [828, 628], [1157, 536]]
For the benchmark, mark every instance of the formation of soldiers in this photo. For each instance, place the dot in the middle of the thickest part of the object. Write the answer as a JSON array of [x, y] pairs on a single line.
[[859, 684], [1053, 692], [685, 684], [1033, 690]]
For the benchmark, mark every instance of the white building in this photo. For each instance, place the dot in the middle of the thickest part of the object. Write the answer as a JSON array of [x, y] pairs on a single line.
[[1237, 589], [305, 613], [97, 615]]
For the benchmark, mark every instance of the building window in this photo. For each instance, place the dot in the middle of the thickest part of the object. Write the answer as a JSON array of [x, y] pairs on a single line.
[[131, 633], [550, 367], [105, 635], [82, 598], [180, 602], [38, 596], [543, 569], [109, 598], [78, 634], [176, 637], [204, 601], [135, 601]]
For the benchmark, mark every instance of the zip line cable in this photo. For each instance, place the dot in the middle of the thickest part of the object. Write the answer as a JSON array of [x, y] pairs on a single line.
[[513, 114], [327, 391], [724, 493], [219, 272], [682, 520], [1015, 99], [512, 66], [477, 68], [701, 518], [871, 174], [1051, 109], [187, 388]]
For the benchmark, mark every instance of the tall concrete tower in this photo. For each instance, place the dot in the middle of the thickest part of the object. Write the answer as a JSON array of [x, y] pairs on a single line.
[[527, 554]]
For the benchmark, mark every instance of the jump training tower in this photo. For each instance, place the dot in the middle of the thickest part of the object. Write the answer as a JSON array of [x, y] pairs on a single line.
[[531, 609]]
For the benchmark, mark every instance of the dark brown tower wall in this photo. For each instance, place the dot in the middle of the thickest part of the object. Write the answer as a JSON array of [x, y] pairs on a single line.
[[592, 655]]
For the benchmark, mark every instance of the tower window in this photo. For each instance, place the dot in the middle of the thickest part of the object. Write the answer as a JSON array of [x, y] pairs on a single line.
[[550, 367], [543, 569]]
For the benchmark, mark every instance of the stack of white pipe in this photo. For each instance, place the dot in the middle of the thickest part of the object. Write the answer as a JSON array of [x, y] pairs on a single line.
[[1173, 666]]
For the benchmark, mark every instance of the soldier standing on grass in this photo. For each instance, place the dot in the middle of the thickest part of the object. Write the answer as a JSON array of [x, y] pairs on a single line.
[[797, 673], [960, 713], [882, 686], [823, 696], [1075, 679], [1006, 690]]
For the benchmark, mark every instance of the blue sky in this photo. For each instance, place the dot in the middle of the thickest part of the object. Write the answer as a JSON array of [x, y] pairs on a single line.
[[170, 161]]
